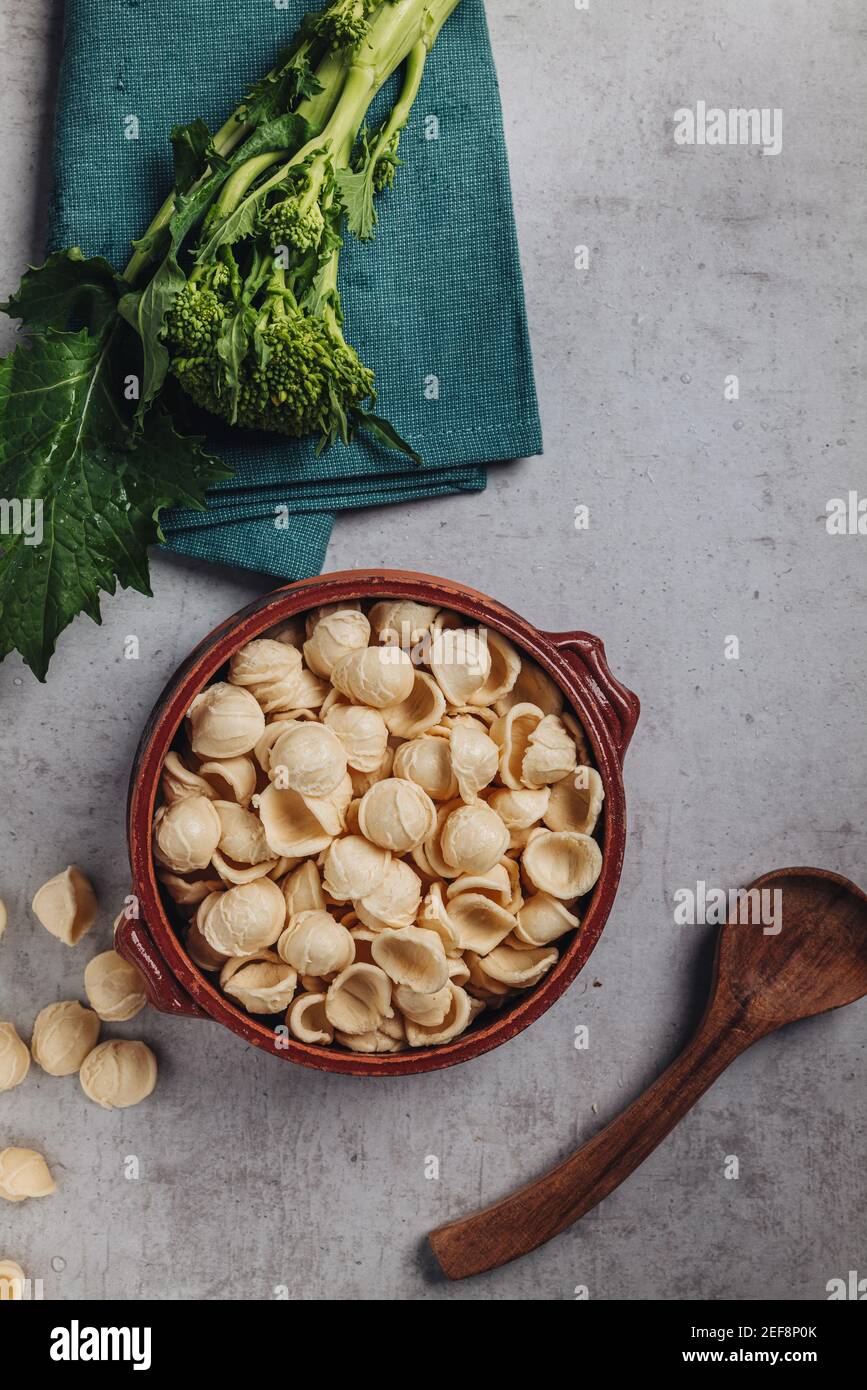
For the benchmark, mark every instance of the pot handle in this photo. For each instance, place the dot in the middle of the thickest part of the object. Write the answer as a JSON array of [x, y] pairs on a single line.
[[133, 941], [620, 707]]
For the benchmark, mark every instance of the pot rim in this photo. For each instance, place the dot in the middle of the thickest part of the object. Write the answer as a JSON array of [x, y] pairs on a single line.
[[558, 656]]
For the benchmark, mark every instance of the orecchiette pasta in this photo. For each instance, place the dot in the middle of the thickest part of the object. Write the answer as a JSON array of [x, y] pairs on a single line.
[[24, 1173], [363, 733], [401, 622], [377, 676], [543, 919], [412, 956], [245, 919], [315, 944], [263, 983], [359, 1000], [302, 889], [309, 758], [575, 802], [460, 661], [186, 834], [12, 1279], [14, 1058], [335, 635], [395, 900], [118, 1073], [474, 839], [427, 761], [114, 987], [563, 863], [396, 814], [475, 759], [354, 867], [66, 905], [63, 1036], [225, 720], [307, 1020], [375, 827], [422, 709]]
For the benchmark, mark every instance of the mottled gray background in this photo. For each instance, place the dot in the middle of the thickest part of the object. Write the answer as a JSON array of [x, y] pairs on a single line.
[[707, 519]]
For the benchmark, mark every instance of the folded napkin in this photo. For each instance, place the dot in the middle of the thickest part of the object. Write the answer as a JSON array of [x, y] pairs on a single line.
[[434, 304]]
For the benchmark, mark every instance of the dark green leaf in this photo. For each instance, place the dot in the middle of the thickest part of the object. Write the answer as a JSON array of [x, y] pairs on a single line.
[[193, 153], [68, 286], [291, 81], [146, 311], [384, 434], [232, 347], [356, 194], [65, 443]]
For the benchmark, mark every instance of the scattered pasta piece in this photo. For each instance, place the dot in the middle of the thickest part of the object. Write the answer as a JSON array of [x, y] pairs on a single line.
[[24, 1173], [66, 905], [63, 1035], [14, 1058], [117, 1074], [11, 1281], [114, 987]]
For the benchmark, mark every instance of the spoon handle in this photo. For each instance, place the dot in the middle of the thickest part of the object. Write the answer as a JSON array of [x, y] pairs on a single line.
[[542, 1209]]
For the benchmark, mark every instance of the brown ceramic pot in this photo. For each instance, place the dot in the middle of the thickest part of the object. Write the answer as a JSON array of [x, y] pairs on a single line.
[[575, 660]]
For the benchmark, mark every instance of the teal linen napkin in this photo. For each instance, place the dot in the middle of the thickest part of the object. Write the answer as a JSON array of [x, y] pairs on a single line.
[[434, 304]]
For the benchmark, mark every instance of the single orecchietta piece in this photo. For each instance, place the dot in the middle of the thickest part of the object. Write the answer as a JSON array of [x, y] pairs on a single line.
[[114, 987], [118, 1073], [12, 1279], [4, 917], [376, 826], [14, 1057], [63, 1035], [24, 1173], [186, 834], [66, 905]]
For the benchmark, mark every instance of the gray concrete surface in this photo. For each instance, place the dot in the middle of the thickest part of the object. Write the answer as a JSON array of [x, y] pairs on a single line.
[[707, 520]]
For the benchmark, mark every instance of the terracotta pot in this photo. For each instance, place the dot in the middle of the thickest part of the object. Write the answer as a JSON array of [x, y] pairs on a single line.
[[575, 660]]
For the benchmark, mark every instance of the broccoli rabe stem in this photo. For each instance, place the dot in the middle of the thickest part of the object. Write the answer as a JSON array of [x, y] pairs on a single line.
[[398, 31], [316, 110]]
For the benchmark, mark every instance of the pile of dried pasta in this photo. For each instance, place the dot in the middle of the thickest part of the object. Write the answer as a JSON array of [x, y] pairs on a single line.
[[378, 825]]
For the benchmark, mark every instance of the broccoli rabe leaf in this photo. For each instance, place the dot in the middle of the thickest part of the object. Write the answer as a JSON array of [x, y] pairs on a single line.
[[291, 81], [194, 152], [385, 434], [145, 311], [239, 330], [356, 194], [68, 286], [68, 455]]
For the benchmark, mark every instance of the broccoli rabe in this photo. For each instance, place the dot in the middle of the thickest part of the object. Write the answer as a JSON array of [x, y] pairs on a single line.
[[229, 300], [255, 335]]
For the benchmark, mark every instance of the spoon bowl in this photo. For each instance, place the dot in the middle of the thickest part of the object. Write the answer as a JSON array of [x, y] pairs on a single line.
[[811, 958]]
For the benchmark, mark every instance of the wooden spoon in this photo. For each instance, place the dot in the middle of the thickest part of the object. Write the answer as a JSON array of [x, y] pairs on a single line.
[[818, 961]]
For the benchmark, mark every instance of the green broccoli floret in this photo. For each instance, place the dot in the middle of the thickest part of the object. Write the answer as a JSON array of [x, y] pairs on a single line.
[[194, 321], [344, 24], [311, 381], [290, 223], [298, 375]]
